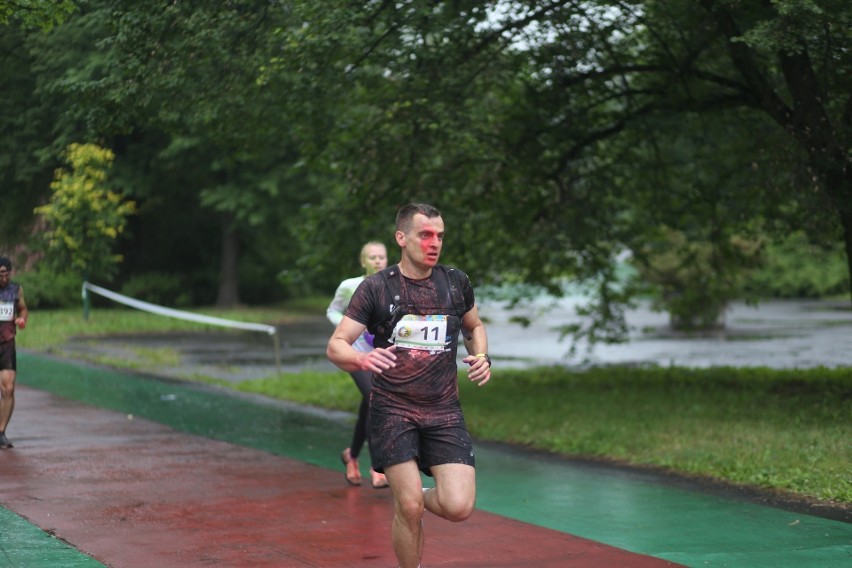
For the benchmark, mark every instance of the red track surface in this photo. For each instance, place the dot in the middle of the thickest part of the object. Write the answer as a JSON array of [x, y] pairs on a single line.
[[133, 493]]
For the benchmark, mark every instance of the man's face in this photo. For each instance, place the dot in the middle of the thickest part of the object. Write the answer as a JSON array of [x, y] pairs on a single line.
[[422, 244], [5, 275], [375, 258]]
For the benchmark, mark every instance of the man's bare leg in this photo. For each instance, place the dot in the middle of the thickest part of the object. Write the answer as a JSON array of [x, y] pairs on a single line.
[[407, 527], [454, 494], [7, 400]]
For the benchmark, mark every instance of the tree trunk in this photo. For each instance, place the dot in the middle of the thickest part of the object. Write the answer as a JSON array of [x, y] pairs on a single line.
[[846, 221], [229, 294]]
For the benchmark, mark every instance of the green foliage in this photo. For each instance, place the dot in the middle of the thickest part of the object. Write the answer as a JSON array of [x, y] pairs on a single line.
[[796, 23], [695, 281], [36, 13], [158, 288], [795, 268], [186, 79], [583, 126], [45, 288], [84, 215], [25, 125]]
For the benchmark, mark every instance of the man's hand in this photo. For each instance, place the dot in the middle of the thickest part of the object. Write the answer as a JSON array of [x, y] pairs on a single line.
[[379, 360], [21, 323], [479, 370]]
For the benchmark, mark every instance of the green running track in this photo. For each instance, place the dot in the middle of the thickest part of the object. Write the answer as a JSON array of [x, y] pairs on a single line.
[[533, 510]]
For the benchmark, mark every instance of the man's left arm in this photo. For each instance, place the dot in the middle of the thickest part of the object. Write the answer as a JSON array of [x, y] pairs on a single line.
[[477, 347]]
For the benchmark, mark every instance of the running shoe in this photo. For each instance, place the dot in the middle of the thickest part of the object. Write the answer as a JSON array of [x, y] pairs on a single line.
[[4, 442]]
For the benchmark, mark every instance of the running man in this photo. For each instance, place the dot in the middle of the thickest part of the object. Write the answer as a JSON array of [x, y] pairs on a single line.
[[416, 310], [13, 315]]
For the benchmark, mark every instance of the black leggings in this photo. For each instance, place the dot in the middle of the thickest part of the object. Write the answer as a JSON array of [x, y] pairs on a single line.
[[364, 381]]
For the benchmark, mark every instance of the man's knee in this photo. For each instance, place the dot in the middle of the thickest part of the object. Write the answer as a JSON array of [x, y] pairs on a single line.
[[410, 508], [456, 507], [7, 384]]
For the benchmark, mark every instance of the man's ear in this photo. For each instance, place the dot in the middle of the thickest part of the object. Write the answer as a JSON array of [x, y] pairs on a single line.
[[400, 238]]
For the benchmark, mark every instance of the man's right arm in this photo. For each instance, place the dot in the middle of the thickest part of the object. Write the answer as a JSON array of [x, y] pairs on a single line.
[[341, 353]]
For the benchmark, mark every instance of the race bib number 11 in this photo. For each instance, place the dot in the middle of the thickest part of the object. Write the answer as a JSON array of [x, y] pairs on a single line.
[[427, 333]]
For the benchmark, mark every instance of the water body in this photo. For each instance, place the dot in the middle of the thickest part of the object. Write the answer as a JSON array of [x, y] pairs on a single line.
[[776, 334]]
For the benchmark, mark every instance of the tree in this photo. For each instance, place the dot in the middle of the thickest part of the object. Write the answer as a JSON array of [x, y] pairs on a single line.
[[587, 127], [24, 125], [191, 78], [781, 68], [543, 116], [35, 13], [85, 216]]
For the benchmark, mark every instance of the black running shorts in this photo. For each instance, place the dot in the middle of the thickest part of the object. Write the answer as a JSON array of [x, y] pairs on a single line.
[[430, 435], [8, 358]]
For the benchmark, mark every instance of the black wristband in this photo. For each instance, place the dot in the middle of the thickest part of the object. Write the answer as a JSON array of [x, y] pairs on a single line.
[[486, 357]]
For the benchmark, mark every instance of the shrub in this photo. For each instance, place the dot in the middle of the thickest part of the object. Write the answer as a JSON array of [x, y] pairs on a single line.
[[694, 280], [44, 288], [795, 268]]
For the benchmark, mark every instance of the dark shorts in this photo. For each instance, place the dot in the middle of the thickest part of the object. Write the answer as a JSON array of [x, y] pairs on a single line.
[[8, 358], [432, 436]]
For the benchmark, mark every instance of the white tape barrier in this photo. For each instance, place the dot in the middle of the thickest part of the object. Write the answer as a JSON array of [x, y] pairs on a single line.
[[155, 309]]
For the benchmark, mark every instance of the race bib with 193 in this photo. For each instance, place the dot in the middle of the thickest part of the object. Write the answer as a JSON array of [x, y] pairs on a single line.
[[427, 333]]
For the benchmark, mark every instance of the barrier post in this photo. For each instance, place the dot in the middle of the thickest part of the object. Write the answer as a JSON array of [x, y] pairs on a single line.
[[277, 344], [86, 301]]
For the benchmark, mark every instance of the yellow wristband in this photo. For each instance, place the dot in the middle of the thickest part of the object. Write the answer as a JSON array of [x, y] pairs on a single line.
[[484, 356]]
